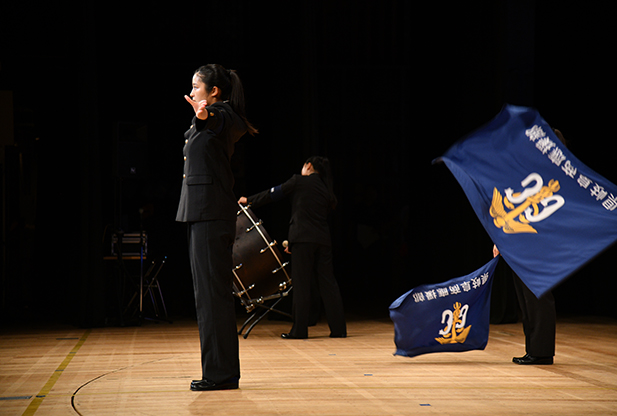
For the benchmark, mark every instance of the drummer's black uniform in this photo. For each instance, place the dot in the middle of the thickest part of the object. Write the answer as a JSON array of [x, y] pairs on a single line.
[[311, 250], [209, 206]]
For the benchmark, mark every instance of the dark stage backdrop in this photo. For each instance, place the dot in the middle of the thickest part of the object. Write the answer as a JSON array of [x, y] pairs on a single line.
[[381, 88]]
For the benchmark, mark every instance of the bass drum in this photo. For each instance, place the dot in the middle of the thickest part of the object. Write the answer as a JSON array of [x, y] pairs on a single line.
[[259, 273]]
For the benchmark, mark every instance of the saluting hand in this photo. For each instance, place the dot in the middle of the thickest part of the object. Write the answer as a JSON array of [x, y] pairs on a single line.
[[199, 107]]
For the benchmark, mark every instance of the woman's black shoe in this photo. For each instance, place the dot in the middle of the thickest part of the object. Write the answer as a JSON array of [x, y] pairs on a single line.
[[206, 385], [529, 360]]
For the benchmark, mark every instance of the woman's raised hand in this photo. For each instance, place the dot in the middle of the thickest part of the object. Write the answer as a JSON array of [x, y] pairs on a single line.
[[198, 107]]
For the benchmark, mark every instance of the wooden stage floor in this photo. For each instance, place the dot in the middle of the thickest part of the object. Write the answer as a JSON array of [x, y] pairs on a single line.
[[147, 370]]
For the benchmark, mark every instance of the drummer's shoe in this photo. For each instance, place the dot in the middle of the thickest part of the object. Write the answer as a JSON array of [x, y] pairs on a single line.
[[207, 385], [529, 360], [338, 335], [287, 335]]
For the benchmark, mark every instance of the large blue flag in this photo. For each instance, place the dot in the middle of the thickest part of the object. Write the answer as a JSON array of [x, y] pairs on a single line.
[[452, 316], [546, 211]]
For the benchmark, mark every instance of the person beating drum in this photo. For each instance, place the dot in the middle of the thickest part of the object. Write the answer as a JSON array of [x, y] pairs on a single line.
[[310, 246]]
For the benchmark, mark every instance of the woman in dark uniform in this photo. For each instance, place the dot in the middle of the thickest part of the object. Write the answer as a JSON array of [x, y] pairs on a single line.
[[208, 205], [312, 199]]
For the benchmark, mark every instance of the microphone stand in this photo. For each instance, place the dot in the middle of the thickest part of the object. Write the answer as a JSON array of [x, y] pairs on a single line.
[[141, 264], [121, 272]]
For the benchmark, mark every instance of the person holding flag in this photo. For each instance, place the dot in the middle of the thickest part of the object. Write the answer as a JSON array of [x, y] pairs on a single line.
[[539, 323], [538, 315], [557, 212], [547, 213]]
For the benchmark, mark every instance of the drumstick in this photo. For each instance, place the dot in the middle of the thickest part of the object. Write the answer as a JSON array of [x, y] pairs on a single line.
[[285, 243]]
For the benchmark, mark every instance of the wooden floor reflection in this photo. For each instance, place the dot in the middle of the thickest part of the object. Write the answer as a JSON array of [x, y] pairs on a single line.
[[146, 370]]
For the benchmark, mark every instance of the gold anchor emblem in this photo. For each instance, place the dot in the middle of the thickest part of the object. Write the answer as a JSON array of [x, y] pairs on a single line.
[[455, 331], [517, 220]]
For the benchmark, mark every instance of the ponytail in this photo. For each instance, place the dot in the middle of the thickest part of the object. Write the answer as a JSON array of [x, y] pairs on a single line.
[[236, 100]]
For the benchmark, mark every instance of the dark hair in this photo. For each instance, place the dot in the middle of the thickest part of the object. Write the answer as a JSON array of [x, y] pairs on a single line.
[[560, 137], [322, 167], [231, 88]]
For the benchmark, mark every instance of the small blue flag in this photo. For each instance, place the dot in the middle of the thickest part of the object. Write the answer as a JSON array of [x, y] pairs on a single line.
[[453, 316], [546, 211]]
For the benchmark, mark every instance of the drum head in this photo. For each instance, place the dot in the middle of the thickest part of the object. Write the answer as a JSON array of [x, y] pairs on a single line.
[[259, 267]]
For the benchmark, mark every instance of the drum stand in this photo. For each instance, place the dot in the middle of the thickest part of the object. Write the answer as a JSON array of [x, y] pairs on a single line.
[[263, 308]]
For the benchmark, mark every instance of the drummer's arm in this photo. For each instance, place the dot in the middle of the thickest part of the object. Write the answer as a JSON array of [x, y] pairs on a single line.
[[274, 194], [257, 200]]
